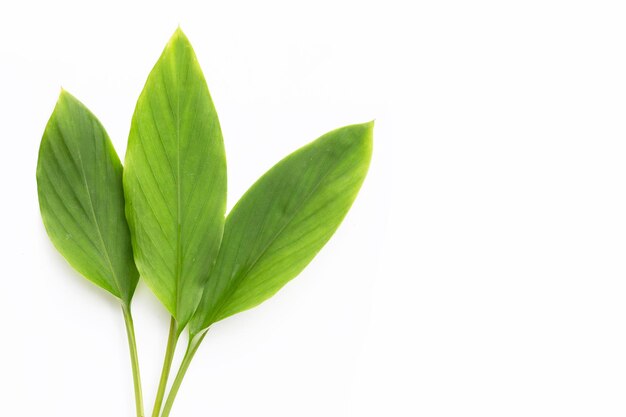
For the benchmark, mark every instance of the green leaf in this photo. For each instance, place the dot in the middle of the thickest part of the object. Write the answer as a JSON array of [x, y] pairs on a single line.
[[79, 181], [283, 220], [175, 180]]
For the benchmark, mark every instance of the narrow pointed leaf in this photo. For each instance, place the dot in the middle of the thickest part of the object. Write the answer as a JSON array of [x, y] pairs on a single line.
[[79, 181], [283, 220], [175, 180]]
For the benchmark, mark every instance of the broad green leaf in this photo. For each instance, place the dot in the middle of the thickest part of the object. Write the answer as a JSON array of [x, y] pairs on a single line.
[[175, 180], [283, 220], [79, 181]]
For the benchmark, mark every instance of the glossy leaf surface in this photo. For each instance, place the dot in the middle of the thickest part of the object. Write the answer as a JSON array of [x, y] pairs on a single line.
[[79, 181], [175, 180], [283, 220]]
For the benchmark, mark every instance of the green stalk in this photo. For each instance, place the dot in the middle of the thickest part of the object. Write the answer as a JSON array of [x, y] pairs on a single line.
[[172, 340], [192, 348], [134, 360]]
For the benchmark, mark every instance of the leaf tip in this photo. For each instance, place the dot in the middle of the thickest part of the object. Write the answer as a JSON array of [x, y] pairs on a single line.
[[64, 95], [367, 135], [368, 128], [178, 35], [63, 98]]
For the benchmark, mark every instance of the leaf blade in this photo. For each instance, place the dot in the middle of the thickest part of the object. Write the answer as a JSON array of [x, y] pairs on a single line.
[[283, 220], [175, 181], [79, 185]]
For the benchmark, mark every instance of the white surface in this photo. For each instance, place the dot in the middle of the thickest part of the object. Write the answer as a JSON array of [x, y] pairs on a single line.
[[481, 271]]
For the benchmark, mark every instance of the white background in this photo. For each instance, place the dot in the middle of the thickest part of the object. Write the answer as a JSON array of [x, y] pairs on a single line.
[[481, 271]]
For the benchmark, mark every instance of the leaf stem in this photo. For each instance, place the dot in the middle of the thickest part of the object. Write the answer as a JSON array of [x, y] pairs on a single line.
[[192, 348], [172, 340], [134, 360]]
